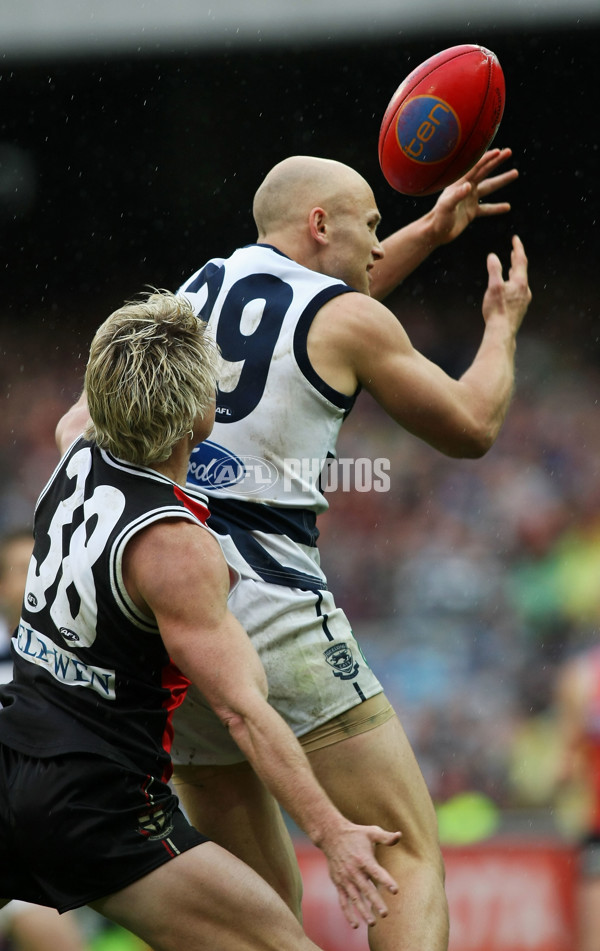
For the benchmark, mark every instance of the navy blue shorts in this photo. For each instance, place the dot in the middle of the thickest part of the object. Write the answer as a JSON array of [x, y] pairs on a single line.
[[78, 827]]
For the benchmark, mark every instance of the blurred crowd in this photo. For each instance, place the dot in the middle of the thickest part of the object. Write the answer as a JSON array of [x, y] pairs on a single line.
[[471, 581], [468, 582]]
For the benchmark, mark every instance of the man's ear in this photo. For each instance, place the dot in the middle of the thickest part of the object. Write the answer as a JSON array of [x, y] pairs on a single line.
[[317, 221]]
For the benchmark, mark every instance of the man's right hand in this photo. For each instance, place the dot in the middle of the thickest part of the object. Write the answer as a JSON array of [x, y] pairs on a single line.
[[509, 298], [355, 871]]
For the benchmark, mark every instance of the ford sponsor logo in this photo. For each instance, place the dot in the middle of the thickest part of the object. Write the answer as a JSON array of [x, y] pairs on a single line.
[[214, 467]]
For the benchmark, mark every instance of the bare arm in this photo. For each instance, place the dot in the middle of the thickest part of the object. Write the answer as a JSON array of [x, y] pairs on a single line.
[[457, 206], [177, 572], [355, 340], [72, 424]]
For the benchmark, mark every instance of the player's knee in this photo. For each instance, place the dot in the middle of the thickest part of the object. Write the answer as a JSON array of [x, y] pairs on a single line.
[[414, 851]]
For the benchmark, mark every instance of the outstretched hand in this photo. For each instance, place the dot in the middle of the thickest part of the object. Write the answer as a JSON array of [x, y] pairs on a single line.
[[457, 206], [508, 298], [355, 871], [463, 201]]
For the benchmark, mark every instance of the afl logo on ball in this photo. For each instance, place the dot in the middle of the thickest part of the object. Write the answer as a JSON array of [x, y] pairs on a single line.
[[427, 129], [340, 658]]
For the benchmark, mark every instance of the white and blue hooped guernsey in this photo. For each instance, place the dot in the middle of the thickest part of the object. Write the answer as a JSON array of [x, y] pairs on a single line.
[[261, 472], [262, 465]]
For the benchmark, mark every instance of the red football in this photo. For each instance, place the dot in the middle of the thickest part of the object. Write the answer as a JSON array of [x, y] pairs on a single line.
[[441, 119]]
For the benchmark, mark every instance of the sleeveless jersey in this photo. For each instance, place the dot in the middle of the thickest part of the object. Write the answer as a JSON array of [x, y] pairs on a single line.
[[91, 671], [6, 669], [277, 421]]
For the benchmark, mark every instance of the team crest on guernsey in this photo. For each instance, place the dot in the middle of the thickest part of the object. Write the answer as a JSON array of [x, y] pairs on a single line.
[[340, 658], [155, 823]]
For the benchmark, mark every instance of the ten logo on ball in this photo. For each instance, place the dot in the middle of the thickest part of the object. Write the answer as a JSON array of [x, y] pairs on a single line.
[[441, 119]]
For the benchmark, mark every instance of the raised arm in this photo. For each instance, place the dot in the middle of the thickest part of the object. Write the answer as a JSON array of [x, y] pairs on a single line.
[[72, 424], [176, 571], [354, 340], [457, 206]]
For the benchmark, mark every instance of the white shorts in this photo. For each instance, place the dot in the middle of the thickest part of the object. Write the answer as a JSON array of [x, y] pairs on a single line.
[[314, 665]]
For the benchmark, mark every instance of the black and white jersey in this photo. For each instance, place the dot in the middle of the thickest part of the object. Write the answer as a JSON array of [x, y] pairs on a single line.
[[91, 671], [6, 665], [277, 421]]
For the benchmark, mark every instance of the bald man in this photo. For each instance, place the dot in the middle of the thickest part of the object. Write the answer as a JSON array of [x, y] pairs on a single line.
[[300, 329]]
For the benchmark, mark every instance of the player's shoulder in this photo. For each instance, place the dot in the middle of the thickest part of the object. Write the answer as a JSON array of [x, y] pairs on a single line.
[[353, 319], [349, 332], [177, 537], [178, 550]]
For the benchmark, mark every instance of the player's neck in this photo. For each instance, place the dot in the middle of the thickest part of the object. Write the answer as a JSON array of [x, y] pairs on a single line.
[[176, 466], [288, 243]]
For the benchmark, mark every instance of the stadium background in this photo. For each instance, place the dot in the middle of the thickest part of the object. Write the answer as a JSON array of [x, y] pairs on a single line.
[[129, 152]]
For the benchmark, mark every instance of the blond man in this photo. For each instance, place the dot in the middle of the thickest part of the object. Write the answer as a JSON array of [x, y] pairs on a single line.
[[125, 604]]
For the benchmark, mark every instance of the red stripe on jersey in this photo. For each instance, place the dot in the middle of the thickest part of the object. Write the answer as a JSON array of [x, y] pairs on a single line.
[[177, 684], [195, 506]]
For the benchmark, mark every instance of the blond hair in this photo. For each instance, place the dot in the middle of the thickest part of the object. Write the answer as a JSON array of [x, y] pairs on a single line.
[[152, 370]]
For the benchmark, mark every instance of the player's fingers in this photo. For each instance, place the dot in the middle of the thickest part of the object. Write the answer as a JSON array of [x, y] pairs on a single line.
[[487, 163], [518, 246], [496, 156], [348, 908], [489, 185], [518, 258], [494, 267], [364, 897], [518, 268], [495, 208], [455, 193], [373, 895], [383, 837], [377, 873], [487, 159], [379, 836]]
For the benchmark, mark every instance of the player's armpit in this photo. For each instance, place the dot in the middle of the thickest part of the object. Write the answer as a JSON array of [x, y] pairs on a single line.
[[358, 341]]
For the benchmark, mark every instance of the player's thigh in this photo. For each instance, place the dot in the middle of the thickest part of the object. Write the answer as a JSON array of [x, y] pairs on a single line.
[[206, 900], [232, 806], [374, 778], [37, 926]]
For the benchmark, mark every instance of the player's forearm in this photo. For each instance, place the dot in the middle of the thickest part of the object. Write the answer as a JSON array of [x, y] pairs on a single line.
[[278, 759], [489, 381], [404, 251]]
